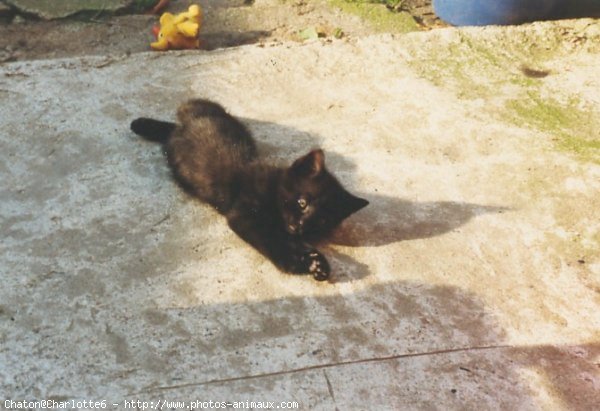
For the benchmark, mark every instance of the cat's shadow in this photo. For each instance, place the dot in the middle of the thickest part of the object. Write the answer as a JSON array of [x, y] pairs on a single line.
[[388, 220], [384, 221]]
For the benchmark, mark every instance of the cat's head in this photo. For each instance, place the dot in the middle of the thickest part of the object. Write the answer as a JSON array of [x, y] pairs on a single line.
[[311, 200]]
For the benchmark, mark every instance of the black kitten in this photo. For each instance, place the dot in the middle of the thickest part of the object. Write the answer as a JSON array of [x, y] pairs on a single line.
[[279, 211]]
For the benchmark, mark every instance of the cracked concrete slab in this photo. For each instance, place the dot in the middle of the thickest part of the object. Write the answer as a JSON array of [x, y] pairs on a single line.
[[471, 281]]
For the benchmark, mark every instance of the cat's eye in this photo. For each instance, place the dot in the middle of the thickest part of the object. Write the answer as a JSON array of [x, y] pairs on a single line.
[[302, 203]]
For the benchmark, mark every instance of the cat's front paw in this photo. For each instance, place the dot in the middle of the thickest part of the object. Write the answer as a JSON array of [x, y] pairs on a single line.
[[317, 265]]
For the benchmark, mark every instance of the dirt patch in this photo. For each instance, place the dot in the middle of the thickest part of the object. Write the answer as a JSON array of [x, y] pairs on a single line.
[[226, 24]]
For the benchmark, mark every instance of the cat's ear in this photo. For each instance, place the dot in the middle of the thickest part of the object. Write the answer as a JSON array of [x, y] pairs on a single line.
[[310, 165], [350, 204]]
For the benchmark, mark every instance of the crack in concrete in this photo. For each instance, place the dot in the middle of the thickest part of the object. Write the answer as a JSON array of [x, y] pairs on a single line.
[[330, 389], [320, 367]]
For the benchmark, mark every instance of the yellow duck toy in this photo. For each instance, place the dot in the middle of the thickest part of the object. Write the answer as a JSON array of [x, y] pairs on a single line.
[[178, 31]]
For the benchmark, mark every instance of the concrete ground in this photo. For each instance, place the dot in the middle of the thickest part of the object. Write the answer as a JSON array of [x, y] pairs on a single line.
[[472, 280]]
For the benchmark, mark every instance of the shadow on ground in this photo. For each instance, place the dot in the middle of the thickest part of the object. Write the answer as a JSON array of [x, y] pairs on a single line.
[[429, 345], [389, 220], [212, 41]]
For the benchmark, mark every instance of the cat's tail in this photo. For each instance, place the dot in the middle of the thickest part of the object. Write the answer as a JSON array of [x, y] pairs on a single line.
[[152, 130]]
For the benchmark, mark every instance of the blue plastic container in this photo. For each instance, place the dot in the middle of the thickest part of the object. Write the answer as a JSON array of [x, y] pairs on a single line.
[[484, 12]]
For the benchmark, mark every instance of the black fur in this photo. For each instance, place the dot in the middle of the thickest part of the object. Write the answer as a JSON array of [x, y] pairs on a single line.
[[279, 211]]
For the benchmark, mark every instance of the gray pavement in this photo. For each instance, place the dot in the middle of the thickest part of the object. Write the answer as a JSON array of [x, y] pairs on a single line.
[[470, 282]]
